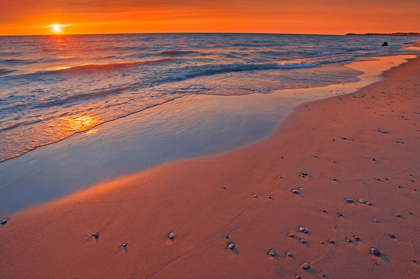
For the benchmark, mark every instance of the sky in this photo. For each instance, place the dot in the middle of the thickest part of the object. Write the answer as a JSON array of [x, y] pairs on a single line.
[[32, 17]]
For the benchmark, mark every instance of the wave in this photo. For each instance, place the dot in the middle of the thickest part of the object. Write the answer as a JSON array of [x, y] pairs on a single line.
[[177, 52], [5, 71]]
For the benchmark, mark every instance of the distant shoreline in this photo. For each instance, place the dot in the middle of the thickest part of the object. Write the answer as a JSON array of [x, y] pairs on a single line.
[[399, 34]]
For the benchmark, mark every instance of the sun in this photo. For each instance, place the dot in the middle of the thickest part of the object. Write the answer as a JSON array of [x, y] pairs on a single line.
[[56, 28]]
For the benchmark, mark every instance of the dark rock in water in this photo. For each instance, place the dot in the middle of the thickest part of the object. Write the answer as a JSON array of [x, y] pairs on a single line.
[[385, 44], [231, 245], [375, 251], [272, 252], [4, 221], [324, 210], [305, 266]]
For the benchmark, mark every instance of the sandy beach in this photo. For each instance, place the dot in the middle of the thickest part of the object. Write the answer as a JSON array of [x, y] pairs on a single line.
[[338, 177]]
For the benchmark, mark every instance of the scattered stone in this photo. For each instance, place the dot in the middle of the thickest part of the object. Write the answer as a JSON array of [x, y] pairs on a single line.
[[356, 237], [315, 156], [302, 229], [375, 251], [413, 260], [171, 235], [294, 191], [226, 236], [303, 174], [331, 241], [348, 240], [290, 234], [322, 274], [270, 197], [305, 266], [324, 210], [225, 188], [349, 200], [369, 203], [397, 215], [255, 196], [303, 241], [95, 235], [339, 214], [334, 179], [4, 221], [362, 201], [298, 277], [123, 245], [272, 252], [289, 254], [384, 44], [321, 242], [377, 178], [231, 245], [376, 220], [373, 159], [382, 131], [391, 235]]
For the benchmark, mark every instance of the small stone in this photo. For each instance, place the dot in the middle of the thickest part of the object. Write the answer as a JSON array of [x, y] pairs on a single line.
[[171, 235], [321, 242], [375, 251], [362, 201], [397, 215], [413, 260], [3, 221], [334, 179], [272, 252], [231, 245], [291, 234], [331, 241], [302, 229], [334, 162], [373, 159], [349, 200], [376, 220], [289, 254], [95, 235], [296, 192], [339, 214], [369, 203], [305, 266], [226, 236], [123, 245], [255, 196], [356, 237], [322, 274], [348, 240], [391, 235], [303, 241], [324, 210], [297, 277], [225, 188], [378, 178], [315, 156], [270, 197]]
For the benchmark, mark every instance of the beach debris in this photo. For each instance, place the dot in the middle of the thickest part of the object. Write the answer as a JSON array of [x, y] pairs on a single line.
[[171, 235], [383, 131], [255, 196], [356, 237], [384, 44], [322, 274], [321, 242], [123, 245], [305, 266], [323, 210], [289, 255], [369, 203], [303, 174], [333, 161], [400, 141], [315, 156], [95, 235], [295, 191], [348, 239], [391, 235], [377, 178], [334, 140], [333, 179], [413, 260], [272, 252], [397, 215], [376, 220], [348, 200], [4, 221], [231, 245], [302, 229], [280, 176], [362, 201], [270, 196], [303, 241], [375, 251], [339, 214], [226, 236], [298, 277], [224, 187], [290, 234], [331, 241]]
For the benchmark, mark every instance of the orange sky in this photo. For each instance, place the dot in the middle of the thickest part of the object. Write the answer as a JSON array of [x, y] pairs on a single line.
[[266, 16]]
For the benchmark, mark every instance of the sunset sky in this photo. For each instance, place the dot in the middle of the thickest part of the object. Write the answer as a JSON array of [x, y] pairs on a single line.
[[26, 17]]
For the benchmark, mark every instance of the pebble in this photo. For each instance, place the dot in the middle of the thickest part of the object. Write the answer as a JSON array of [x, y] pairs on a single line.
[[348, 240], [255, 196], [356, 237], [294, 191], [305, 266], [289, 255], [302, 229], [375, 251], [362, 201], [225, 188], [270, 196], [297, 277], [303, 241], [4, 221], [324, 210], [315, 156], [378, 178], [123, 245], [231, 245], [291, 234], [339, 214], [226, 236], [171, 235], [376, 220], [391, 235], [397, 215], [369, 203], [331, 241], [95, 235], [272, 252], [334, 179], [413, 260], [349, 200]]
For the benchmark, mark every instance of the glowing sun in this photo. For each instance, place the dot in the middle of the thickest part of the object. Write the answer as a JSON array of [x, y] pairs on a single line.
[[56, 28]]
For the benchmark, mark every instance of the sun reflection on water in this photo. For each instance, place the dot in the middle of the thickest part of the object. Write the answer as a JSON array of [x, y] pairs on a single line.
[[79, 123]]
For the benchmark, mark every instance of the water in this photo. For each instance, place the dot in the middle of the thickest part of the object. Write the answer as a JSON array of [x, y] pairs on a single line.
[[52, 87]]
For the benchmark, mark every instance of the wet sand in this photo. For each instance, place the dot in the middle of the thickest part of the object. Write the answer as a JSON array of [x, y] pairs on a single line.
[[353, 161]]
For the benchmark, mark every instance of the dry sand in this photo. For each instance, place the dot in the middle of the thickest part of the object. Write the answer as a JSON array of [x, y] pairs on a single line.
[[188, 198]]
